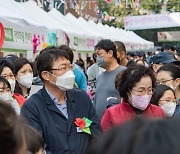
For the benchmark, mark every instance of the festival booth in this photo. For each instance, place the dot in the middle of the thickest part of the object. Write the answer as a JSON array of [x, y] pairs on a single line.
[[21, 33], [82, 43], [27, 25]]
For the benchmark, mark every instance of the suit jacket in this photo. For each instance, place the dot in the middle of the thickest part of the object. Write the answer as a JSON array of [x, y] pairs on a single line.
[[60, 134]]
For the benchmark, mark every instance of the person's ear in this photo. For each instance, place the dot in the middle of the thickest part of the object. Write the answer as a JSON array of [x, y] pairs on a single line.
[[123, 54], [155, 67], [177, 82], [110, 53], [45, 75]]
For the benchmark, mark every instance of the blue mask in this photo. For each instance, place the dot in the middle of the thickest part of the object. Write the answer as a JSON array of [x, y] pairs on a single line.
[[100, 62]]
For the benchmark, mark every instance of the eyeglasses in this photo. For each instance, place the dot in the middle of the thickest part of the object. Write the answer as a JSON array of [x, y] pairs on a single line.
[[163, 81], [143, 91], [63, 69]]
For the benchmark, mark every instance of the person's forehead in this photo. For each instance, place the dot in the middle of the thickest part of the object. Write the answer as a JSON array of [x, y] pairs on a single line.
[[145, 82], [6, 70], [163, 75], [168, 94], [100, 51]]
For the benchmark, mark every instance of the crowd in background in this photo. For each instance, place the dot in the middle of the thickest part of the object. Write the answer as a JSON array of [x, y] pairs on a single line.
[[58, 105]]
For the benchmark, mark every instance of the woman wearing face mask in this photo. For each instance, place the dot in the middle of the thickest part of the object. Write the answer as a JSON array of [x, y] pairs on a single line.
[[169, 75], [6, 94], [164, 97], [7, 71], [136, 87], [24, 76]]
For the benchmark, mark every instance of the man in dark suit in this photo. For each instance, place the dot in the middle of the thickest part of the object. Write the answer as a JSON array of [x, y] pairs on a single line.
[[54, 109]]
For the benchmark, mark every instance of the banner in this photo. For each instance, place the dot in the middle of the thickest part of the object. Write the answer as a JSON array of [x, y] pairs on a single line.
[[168, 36], [152, 21], [21, 37]]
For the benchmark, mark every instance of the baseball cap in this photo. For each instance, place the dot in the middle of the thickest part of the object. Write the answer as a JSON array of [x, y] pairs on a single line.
[[165, 58]]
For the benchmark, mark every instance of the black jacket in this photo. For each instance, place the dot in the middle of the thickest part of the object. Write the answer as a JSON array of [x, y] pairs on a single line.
[[60, 134]]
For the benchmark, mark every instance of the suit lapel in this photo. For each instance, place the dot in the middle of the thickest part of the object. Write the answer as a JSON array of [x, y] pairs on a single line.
[[70, 108]]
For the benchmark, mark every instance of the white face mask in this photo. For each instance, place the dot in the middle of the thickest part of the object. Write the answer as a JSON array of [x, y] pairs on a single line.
[[169, 109], [6, 97], [65, 81], [26, 80], [12, 83]]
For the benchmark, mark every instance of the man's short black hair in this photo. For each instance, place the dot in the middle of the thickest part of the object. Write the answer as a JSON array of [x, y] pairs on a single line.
[[69, 51], [120, 46], [107, 45], [47, 58]]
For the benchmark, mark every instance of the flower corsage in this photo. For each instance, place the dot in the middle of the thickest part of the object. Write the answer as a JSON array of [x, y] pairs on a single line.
[[83, 124]]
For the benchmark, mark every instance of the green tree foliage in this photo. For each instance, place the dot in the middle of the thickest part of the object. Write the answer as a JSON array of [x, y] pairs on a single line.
[[125, 9]]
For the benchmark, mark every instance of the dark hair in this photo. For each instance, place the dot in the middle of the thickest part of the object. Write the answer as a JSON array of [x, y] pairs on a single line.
[[167, 47], [5, 81], [34, 139], [6, 63], [172, 68], [107, 45], [69, 51], [131, 76], [19, 63], [120, 46], [11, 57], [47, 58], [11, 130], [94, 56], [140, 136], [158, 93], [47, 48]]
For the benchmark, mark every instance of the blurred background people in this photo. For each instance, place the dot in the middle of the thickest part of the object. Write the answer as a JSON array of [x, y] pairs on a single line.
[[141, 62], [169, 75], [93, 73], [140, 136], [24, 76], [34, 140], [12, 139], [136, 87], [164, 97], [161, 59], [121, 53]]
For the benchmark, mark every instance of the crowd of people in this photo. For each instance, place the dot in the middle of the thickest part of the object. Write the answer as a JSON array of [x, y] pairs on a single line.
[[78, 104]]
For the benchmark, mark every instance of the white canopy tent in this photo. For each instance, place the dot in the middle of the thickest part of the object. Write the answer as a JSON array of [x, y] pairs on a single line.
[[89, 40], [23, 20], [19, 29], [28, 11]]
